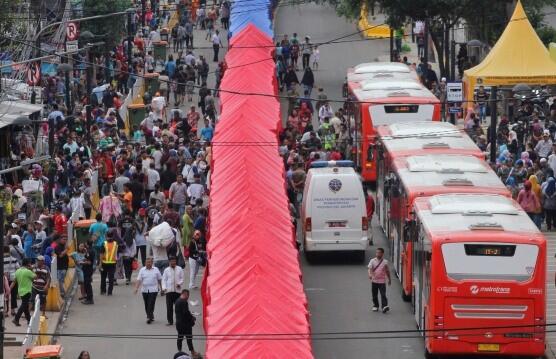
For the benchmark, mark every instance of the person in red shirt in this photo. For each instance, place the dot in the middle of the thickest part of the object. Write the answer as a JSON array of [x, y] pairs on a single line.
[[60, 222], [335, 155], [108, 165]]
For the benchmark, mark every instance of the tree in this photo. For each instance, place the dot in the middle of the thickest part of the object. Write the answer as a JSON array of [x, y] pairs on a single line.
[[111, 28], [485, 19]]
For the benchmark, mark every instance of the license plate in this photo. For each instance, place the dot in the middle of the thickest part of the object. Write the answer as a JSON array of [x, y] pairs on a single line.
[[336, 224], [489, 347]]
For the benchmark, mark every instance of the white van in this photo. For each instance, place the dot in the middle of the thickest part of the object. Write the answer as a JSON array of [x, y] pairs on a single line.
[[333, 212]]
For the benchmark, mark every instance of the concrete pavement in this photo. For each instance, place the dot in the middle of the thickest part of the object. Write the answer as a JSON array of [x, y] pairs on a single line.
[[123, 313]]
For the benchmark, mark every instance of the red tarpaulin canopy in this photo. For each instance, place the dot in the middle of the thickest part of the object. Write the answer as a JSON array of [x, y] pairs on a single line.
[[253, 285]]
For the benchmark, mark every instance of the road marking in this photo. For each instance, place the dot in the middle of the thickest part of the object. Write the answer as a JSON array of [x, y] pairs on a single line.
[[315, 289]]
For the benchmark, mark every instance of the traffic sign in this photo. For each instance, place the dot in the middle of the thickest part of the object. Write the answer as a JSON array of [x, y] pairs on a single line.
[[34, 74], [454, 92], [72, 46], [72, 31], [455, 110]]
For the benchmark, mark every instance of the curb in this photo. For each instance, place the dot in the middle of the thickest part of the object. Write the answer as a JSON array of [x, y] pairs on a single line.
[[64, 310]]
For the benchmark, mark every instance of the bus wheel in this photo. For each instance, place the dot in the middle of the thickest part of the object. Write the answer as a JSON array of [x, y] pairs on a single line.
[[406, 297], [310, 257]]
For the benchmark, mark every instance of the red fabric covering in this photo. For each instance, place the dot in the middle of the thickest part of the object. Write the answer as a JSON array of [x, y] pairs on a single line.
[[254, 283]]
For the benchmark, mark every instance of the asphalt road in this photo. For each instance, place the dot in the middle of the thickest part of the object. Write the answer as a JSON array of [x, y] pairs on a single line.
[[338, 289]]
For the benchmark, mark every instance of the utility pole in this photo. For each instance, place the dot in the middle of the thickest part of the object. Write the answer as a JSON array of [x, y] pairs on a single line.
[[143, 10], [391, 44], [2, 294], [129, 39], [426, 40], [493, 122], [453, 61]]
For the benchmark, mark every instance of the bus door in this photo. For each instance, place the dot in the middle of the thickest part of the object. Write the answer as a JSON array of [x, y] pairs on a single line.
[[421, 278], [393, 210], [380, 183]]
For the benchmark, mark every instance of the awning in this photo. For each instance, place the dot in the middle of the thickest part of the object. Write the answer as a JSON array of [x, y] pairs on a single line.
[[17, 112]]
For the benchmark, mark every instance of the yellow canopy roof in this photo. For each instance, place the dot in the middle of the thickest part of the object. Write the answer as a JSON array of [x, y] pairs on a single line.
[[519, 56]]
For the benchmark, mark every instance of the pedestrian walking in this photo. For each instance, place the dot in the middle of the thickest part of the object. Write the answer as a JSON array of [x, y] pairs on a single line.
[[149, 280], [62, 263], [108, 263], [41, 283], [84, 355], [88, 265], [197, 258], [24, 280], [379, 274], [172, 282], [216, 44], [185, 322], [306, 50]]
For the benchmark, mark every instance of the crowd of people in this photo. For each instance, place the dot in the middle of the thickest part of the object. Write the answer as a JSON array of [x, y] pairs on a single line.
[[120, 184]]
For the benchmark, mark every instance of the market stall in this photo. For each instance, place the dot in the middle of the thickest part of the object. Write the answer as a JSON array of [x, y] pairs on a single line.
[[519, 56]]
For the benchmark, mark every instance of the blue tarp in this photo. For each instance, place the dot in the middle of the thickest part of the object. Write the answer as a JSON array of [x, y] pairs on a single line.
[[256, 12]]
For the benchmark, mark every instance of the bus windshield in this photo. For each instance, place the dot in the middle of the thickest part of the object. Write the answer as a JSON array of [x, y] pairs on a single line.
[[490, 261], [389, 114]]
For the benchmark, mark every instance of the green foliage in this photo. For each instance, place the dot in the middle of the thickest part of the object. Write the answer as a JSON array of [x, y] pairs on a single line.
[[547, 34], [112, 28]]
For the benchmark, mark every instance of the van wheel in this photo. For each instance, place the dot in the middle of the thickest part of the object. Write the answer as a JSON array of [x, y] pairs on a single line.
[[406, 297], [310, 257], [360, 256], [428, 355]]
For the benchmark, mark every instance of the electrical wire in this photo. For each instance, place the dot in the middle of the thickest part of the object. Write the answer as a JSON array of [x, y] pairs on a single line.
[[335, 335]]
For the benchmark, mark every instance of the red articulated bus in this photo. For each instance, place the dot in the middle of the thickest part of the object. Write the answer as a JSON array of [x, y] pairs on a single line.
[[417, 138], [479, 273], [385, 103], [424, 176]]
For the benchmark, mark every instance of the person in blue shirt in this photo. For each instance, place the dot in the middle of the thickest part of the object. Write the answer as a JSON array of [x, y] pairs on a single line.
[[170, 67], [207, 132], [28, 242], [99, 230]]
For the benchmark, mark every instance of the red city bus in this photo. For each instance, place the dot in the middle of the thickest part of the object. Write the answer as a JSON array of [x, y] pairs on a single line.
[[386, 103], [417, 138], [424, 176], [479, 273]]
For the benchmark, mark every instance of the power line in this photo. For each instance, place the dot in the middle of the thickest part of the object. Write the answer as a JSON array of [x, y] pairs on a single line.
[[334, 335]]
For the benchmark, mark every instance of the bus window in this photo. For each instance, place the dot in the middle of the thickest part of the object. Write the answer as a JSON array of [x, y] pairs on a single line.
[[494, 261]]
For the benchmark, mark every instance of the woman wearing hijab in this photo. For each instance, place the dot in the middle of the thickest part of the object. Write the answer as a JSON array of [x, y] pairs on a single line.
[[529, 201], [536, 189], [308, 80], [549, 202]]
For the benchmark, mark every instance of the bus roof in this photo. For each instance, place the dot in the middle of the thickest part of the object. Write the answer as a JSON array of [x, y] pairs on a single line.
[[406, 139], [435, 174], [418, 129], [374, 67], [421, 95], [391, 85], [469, 213], [354, 80]]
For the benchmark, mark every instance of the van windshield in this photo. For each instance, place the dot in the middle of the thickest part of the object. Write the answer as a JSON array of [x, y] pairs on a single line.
[[492, 261]]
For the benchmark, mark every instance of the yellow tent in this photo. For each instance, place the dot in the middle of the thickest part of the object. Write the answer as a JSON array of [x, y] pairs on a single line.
[[519, 56]]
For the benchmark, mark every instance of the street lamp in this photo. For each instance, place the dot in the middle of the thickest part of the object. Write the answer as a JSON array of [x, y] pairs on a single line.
[[66, 69]]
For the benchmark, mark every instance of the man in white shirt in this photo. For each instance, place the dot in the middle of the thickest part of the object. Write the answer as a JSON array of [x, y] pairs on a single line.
[[157, 156], [149, 279], [153, 177], [552, 158], [216, 43], [325, 111], [195, 190], [172, 282]]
